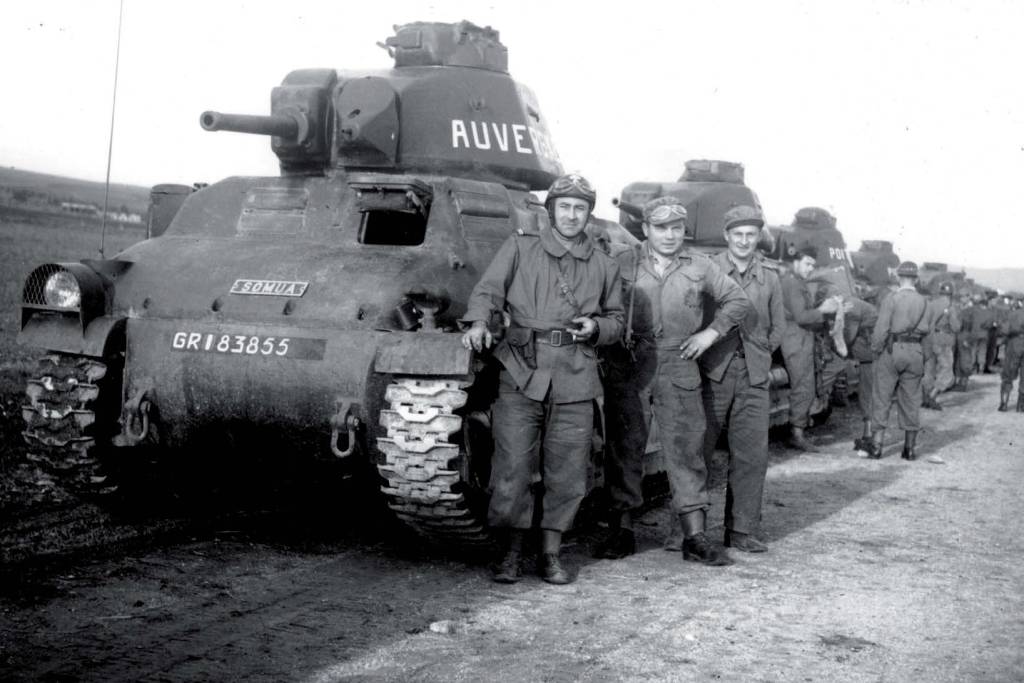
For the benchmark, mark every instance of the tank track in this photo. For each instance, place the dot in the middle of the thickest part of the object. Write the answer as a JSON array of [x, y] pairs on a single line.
[[425, 478], [60, 419]]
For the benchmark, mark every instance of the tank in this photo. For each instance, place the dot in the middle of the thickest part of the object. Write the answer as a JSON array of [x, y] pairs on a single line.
[[708, 188], [873, 266], [311, 314]]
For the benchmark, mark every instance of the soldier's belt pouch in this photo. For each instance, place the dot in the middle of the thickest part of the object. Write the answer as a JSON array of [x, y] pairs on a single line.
[[522, 343]]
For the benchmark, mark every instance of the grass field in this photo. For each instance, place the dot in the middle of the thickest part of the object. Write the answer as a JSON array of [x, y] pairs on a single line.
[[23, 246]]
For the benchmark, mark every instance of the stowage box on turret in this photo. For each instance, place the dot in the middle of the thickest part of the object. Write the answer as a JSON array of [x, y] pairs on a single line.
[[313, 312]]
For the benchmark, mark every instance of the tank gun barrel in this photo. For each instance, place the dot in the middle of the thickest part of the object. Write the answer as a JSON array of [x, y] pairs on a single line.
[[632, 209], [293, 126]]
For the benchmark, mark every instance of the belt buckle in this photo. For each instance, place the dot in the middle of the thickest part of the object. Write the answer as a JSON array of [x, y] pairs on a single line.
[[555, 338]]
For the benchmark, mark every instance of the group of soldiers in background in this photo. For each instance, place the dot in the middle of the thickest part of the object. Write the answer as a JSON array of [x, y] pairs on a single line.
[[685, 342]]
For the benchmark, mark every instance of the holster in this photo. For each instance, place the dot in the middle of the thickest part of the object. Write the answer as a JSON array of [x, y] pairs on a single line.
[[521, 340]]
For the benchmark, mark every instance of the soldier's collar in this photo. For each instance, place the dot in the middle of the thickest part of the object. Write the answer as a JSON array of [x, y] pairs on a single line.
[[681, 255], [755, 267], [582, 249]]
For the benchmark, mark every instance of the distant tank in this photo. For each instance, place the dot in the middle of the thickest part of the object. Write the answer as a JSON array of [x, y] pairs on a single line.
[[312, 313], [873, 266], [709, 188]]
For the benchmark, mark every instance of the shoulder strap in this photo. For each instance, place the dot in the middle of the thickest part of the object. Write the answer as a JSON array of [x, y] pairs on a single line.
[[632, 297], [566, 289]]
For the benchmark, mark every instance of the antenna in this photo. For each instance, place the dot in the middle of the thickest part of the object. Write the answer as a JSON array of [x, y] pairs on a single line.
[[110, 144]]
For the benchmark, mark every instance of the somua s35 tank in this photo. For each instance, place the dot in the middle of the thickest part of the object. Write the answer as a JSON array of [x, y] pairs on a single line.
[[311, 313]]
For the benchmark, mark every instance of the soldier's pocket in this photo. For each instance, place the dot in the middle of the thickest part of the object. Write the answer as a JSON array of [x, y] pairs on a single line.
[[684, 374]]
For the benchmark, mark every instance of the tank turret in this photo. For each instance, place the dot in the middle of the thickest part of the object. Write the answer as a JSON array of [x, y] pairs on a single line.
[[448, 107]]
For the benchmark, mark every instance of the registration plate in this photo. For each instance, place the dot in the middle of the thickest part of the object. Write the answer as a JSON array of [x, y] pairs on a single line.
[[299, 348]]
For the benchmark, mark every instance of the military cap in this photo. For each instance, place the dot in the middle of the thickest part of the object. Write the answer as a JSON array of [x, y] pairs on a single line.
[[743, 215], [664, 210], [572, 185], [907, 269], [946, 288]]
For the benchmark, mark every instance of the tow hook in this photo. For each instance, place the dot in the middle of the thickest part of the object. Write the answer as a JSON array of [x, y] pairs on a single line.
[[135, 423], [344, 420]]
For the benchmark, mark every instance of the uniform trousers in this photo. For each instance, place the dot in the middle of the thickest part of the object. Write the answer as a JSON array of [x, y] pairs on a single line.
[[742, 409], [798, 354], [938, 363], [865, 388], [898, 376], [1013, 364], [538, 440]]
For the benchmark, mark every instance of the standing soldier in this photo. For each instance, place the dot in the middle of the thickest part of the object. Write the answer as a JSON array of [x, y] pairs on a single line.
[[666, 310], [903, 321], [964, 356], [802, 321], [563, 298], [860, 323], [738, 370], [981, 324], [938, 347], [1013, 360]]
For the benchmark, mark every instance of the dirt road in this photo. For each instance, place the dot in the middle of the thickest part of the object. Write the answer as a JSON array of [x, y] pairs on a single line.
[[878, 570]]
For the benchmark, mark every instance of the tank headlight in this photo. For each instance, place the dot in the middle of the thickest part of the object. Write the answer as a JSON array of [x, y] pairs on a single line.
[[61, 291]]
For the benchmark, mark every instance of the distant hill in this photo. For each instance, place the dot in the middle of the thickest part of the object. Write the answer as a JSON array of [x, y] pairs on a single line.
[[1006, 279], [133, 197]]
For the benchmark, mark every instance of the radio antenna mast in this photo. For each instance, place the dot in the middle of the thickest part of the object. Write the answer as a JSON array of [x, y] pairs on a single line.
[[110, 142]]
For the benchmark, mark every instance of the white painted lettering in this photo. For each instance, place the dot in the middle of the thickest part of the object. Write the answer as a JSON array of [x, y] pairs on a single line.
[[193, 341], [518, 131], [179, 340], [486, 143], [459, 133], [501, 136]]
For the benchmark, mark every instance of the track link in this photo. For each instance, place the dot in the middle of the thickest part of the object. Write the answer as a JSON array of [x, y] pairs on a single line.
[[424, 484], [60, 419]]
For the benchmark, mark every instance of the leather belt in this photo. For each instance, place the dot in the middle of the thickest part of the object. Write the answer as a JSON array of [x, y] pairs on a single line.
[[908, 338], [554, 337]]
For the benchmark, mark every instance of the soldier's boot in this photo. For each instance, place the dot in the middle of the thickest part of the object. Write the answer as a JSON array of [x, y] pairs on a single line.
[[864, 442], [934, 398], [877, 443], [1004, 399], [909, 441], [549, 565], [696, 545], [1020, 403], [510, 568], [620, 542], [744, 542], [799, 441]]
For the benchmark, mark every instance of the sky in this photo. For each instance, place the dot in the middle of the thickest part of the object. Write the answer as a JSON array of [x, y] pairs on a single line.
[[905, 119]]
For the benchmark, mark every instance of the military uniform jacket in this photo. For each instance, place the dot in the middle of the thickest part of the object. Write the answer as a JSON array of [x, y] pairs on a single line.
[[947, 320], [799, 306], [983, 319], [669, 308], [1014, 325], [524, 281], [760, 331], [905, 312], [860, 323]]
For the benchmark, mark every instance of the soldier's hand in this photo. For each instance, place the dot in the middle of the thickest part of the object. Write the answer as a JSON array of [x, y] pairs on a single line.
[[478, 337], [584, 330], [697, 344]]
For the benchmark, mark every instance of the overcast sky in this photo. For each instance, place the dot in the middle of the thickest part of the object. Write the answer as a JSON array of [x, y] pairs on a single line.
[[905, 119]]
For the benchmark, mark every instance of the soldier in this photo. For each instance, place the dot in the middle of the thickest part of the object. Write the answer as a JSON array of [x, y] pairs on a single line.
[[903, 321], [859, 324], [668, 284], [563, 298], [1013, 361], [938, 347], [802, 321], [964, 352], [981, 323], [737, 369]]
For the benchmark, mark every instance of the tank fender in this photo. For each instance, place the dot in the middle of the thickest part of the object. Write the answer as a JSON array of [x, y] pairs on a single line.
[[424, 353], [103, 336]]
